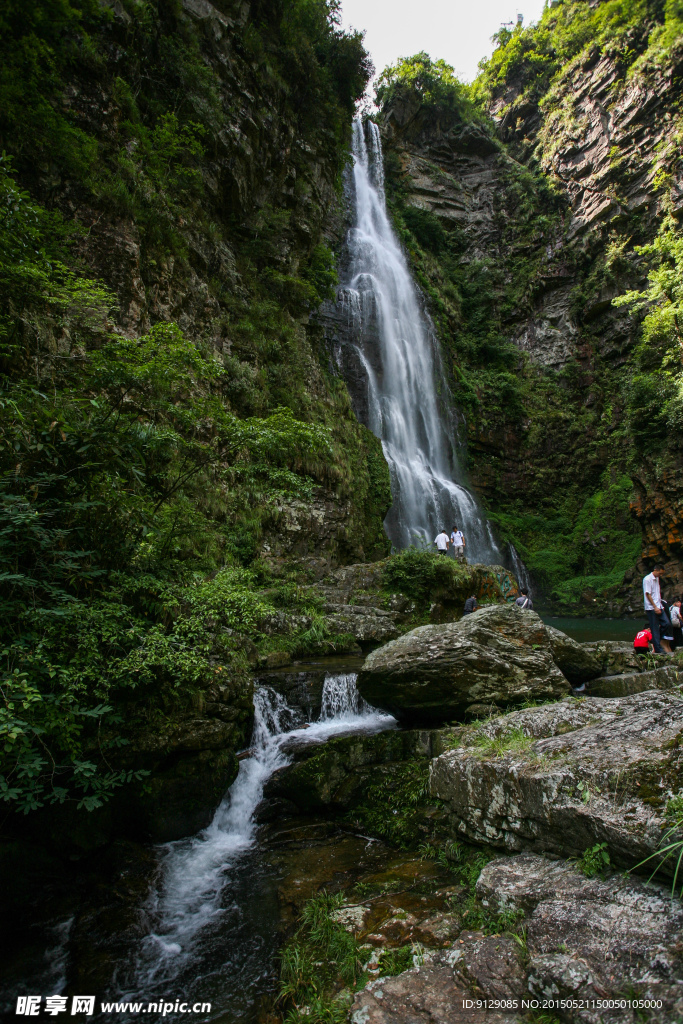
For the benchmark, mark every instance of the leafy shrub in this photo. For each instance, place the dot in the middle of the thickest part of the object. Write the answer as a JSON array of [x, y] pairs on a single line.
[[419, 573], [435, 83], [595, 861], [392, 801]]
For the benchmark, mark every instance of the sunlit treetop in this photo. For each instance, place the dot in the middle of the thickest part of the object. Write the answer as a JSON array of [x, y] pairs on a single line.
[[434, 81]]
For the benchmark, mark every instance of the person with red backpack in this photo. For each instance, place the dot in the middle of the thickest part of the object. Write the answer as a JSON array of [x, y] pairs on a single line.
[[643, 642]]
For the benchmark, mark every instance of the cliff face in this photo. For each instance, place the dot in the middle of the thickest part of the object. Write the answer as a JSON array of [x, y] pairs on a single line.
[[202, 184], [175, 457], [521, 228]]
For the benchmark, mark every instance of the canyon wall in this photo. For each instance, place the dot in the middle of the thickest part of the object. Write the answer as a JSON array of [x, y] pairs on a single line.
[[521, 226]]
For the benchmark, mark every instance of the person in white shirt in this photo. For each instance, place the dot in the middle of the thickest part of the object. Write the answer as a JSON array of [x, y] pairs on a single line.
[[458, 542], [652, 598], [441, 541]]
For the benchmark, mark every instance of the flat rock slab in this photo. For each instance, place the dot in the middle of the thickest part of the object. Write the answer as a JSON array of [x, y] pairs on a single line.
[[499, 655], [603, 772], [634, 682], [590, 940], [616, 656], [444, 988]]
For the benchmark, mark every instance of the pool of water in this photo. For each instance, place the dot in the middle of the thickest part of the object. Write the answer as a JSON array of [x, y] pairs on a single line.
[[586, 630]]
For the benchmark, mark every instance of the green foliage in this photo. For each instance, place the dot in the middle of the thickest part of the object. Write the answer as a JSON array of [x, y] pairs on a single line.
[[137, 474], [101, 451], [475, 915], [577, 545], [36, 285], [418, 573], [595, 861], [655, 394], [320, 958], [396, 961], [439, 90], [534, 57], [515, 740], [669, 854], [41, 42], [392, 801]]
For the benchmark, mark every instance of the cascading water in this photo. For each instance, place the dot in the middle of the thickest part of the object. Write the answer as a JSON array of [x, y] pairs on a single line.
[[209, 912], [520, 570], [391, 345]]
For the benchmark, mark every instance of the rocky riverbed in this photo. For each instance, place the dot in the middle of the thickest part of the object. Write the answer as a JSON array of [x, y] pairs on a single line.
[[476, 867], [577, 790]]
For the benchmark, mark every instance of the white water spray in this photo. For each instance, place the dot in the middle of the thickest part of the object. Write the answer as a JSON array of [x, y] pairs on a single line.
[[395, 351], [520, 570], [197, 870]]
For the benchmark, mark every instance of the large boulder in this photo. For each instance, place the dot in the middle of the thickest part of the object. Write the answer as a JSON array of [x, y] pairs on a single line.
[[589, 941], [499, 656], [586, 947], [601, 771], [576, 661]]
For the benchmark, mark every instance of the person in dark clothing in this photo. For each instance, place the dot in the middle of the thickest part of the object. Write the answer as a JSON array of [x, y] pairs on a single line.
[[676, 614], [470, 605], [666, 633], [524, 601]]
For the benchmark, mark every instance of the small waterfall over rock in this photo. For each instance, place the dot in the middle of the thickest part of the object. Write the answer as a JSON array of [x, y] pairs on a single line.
[[341, 699], [520, 570], [390, 352], [204, 912]]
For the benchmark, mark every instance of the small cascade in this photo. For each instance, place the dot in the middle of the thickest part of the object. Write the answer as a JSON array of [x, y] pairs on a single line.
[[208, 888], [391, 347], [341, 699], [520, 570]]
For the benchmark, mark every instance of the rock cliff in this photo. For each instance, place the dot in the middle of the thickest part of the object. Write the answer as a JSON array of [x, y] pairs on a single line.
[[521, 226]]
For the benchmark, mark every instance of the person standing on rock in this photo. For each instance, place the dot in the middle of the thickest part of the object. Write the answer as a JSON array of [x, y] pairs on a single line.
[[677, 622], [470, 605], [666, 633], [441, 541], [653, 603], [524, 601], [458, 542]]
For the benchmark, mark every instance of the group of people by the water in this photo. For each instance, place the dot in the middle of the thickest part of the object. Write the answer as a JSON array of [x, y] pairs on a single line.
[[665, 620], [456, 541]]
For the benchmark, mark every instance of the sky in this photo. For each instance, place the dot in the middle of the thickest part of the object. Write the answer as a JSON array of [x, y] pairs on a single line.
[[459, 31]]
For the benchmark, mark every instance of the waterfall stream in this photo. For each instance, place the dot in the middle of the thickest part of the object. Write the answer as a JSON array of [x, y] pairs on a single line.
[[207, 921], [392, 348]]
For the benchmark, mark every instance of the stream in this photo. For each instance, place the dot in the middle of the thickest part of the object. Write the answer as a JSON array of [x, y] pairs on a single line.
[[211, 922], [211, 886]]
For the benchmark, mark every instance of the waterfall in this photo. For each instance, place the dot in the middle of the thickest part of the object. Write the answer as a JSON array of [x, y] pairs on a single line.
[[341, 700], [202, 908], [520, 570], [393, 350]]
